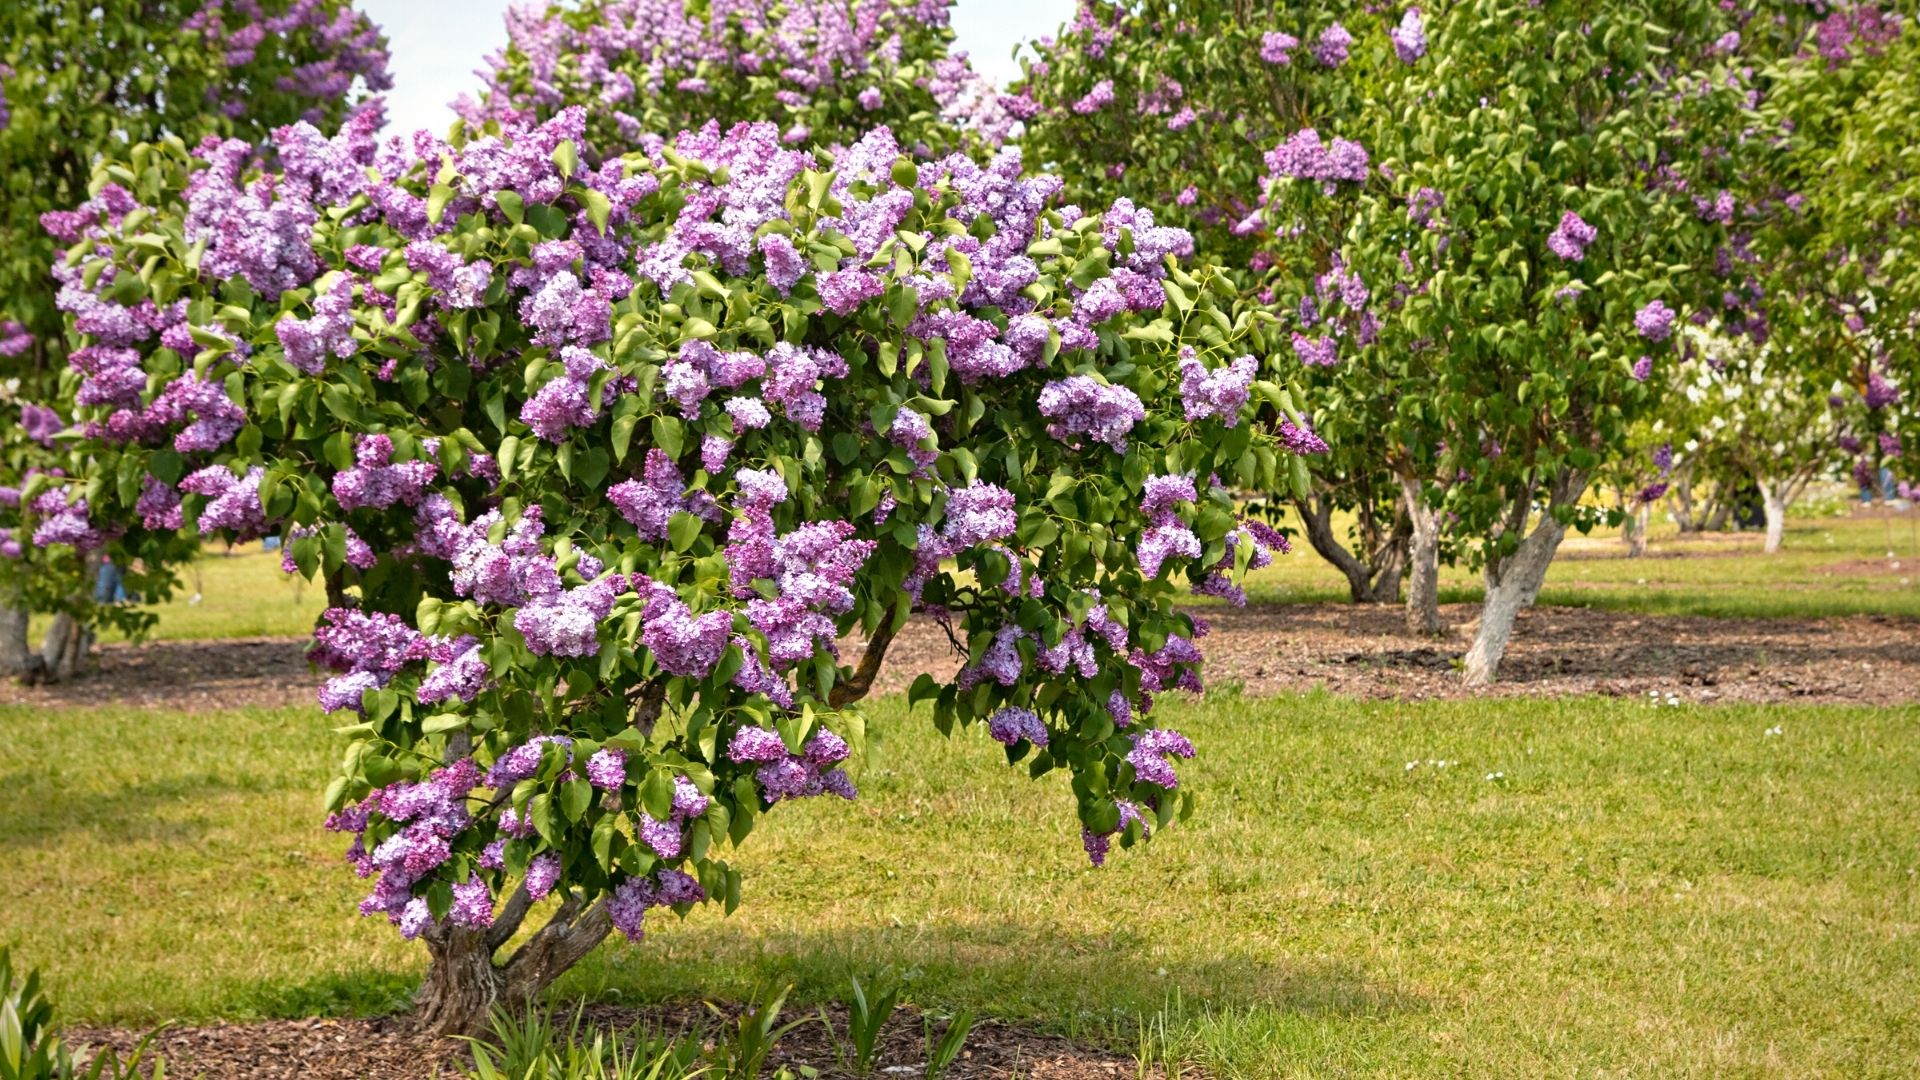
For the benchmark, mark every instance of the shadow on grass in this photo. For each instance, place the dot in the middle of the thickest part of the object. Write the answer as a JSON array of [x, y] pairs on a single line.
[[36, 810], [1068, 983], [1012, 971]]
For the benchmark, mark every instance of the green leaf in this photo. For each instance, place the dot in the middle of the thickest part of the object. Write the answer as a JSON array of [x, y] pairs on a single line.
[[441, 723], [683, 529], [669, 435], [511, 205], [575, 795], [599, 209], [656, 794], [437, 198]]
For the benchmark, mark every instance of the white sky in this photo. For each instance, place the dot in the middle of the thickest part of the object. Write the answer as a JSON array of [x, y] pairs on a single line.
[[437, 44]]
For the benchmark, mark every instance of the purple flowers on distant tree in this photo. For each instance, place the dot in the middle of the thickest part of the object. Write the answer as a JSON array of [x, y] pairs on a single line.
[[1570, 238], [1410, 37], [1655, 321]]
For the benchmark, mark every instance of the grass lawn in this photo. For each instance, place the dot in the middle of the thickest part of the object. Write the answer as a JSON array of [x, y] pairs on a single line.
[[244, 594], [1636, 890], [1827, 566]]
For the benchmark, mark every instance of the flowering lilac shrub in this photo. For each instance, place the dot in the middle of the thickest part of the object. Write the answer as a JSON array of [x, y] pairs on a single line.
[[826, 71], [1498, 310], [1828, 215], [1256, 128], [623, 478], [82, 82]]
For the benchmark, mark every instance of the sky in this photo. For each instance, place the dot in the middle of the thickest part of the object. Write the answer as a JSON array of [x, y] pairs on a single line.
[[438, 44]]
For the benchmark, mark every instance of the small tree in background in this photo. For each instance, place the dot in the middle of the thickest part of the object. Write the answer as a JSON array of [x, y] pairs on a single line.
[[1834, 255], [826, 71], [600, 463], [1217, 110], [1510, 189], [80, 82]]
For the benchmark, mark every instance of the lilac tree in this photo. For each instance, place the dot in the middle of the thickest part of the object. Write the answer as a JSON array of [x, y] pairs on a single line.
[[1515, 193], [1839, 189], [827, 71], [1249, 124], [80, 82], [602, 464]]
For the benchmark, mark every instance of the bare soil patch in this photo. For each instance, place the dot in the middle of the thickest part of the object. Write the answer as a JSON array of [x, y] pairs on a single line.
[[381, 1049], [1366, 652], [1360, 651], [191, 676], [1887, 568]]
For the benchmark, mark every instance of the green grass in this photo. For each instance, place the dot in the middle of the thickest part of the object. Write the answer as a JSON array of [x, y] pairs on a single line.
[[244, 594], [1646, 891], [1725, 575], [237, 595]]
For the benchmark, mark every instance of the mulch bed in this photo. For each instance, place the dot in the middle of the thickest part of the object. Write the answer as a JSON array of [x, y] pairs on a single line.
[[1359, 651], [381, 1049]]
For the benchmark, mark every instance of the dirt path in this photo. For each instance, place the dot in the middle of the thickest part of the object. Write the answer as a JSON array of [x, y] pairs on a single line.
[[1358, 651]]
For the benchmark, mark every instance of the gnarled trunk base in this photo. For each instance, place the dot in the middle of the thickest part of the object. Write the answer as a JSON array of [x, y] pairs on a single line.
[[1373, 569], [464, 985]]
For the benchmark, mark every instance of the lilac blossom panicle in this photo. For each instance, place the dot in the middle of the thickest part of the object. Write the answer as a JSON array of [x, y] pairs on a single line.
[[1331, 48], [1570, 238], [1220, 393], [1082, 405], [1410, 37], [1277, 47], [1655, 321], [1012, 724]]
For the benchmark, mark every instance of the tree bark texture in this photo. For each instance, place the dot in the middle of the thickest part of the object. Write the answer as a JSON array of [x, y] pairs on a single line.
[[1513, 581], [1372, 571], [1423, 560]]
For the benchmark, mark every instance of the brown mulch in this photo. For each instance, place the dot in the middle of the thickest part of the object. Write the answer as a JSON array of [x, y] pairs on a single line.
[[190, 676], [1366, 652], [1362, 651], [381, 1049]]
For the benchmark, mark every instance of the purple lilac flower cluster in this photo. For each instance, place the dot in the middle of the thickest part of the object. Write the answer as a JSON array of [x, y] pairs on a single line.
[[1570, 238], [783, 774], [430, 816], [1302, 156]]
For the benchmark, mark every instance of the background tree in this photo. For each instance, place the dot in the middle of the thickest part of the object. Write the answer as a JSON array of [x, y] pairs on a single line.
[[556, 437], [80, 82], [1841, 189], [1195, 104]]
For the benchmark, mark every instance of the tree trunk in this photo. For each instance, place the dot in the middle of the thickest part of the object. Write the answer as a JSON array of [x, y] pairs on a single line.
[[1423, 560], [64, 648], [1773, 502], [1637, 523], [464, 985], [1513, 581], [1374, 579], [1683, 514], [14, 651], [1716, 520]]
